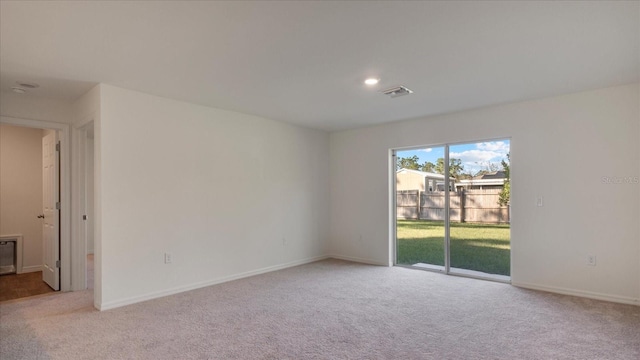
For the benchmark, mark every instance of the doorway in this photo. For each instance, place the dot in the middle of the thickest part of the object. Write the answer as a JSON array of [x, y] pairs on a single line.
[[29, 164], [63, 131], [457, 224]]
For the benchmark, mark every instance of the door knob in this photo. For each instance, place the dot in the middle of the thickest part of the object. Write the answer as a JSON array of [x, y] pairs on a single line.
[[41, 216]]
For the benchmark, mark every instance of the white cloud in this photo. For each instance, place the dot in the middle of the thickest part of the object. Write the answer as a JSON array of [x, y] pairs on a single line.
[[428, 150], [477, 156], [498, 146], [482, 158]]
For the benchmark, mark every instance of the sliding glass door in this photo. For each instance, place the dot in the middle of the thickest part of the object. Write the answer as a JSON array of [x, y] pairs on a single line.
[[479, 210], [460, 223], [420, 209]]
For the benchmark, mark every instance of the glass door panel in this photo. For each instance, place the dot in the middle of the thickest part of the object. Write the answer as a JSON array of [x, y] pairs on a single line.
[[479, 228], [420, 208]]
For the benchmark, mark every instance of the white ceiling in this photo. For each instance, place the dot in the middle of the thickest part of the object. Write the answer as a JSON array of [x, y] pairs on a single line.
[[305, 62]]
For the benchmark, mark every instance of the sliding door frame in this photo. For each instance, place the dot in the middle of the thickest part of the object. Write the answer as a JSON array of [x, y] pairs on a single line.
[[447, 215], [393, 213], [393, 217]]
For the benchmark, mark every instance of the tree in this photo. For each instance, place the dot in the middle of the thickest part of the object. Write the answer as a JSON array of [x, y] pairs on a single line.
[[455, 167], [408, 163], [487, 168], [428, 167], [505, 194]]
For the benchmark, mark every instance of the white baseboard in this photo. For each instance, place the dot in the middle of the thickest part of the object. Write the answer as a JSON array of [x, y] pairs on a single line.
[[33, 268], [358, 260], [579, 293], [179, 289]]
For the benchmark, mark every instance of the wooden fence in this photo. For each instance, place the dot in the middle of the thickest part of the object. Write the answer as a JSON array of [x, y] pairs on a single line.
[[479, 206]]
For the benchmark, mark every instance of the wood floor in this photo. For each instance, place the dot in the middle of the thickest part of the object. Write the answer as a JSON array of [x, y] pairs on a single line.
[[17, 286]]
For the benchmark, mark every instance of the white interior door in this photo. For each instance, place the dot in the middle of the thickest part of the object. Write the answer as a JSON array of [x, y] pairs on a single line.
[[51, 223]]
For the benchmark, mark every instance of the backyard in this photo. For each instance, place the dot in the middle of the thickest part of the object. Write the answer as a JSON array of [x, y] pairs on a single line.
[[479, 247]]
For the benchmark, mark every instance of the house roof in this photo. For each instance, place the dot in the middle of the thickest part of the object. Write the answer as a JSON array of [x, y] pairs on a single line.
[[422, 173], [428, 175], [492, 178], [304, 62], [479, 182], [492, 175]]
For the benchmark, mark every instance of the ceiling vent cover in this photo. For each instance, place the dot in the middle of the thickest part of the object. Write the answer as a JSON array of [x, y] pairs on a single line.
[[28, 85], [397, 91]]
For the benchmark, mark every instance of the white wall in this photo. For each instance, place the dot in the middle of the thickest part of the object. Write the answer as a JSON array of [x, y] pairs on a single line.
[[27, 106], [226, 194], [21, 190], [86, 114], [87, 107], [561, 148]]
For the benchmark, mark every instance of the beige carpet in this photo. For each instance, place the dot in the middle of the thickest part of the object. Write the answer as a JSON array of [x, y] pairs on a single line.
[[327, 310]]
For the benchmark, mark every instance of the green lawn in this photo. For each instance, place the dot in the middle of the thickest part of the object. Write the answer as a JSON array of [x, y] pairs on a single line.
[[480, 247]]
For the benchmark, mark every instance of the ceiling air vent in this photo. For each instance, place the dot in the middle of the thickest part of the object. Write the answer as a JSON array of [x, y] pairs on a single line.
[[397, 91], [28, 85]]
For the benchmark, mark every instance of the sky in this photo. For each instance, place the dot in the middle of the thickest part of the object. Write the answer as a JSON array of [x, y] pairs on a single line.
[[474, 156]]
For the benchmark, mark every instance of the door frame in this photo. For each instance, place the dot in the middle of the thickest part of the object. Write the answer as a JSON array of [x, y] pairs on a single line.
[[393, 201], [78, 224], [393, 209], [67, 264]]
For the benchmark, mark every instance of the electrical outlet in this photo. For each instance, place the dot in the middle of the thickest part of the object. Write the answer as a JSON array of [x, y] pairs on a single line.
[[168, 258], [540, 202], [591, 260]]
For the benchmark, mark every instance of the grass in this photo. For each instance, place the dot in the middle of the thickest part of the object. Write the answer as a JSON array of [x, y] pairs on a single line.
[[479, 247]]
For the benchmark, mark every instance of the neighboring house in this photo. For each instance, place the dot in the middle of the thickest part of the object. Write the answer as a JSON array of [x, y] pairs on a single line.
[[493, 180], [407, 179], [428, 204]]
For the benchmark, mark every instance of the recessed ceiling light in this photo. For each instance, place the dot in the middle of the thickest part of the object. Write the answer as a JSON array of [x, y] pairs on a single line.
[[18, 90], [371, 81]]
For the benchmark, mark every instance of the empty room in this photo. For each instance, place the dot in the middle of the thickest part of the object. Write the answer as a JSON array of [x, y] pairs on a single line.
[[322, 179]]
